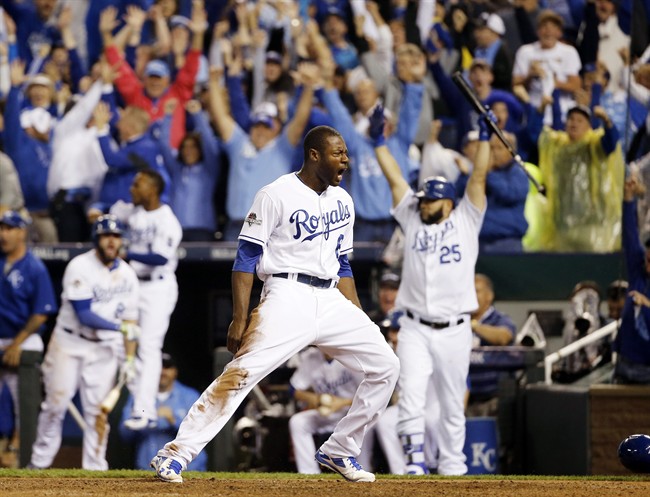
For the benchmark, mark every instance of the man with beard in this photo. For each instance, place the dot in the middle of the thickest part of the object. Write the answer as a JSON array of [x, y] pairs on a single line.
[[98, 313], [437, 296]]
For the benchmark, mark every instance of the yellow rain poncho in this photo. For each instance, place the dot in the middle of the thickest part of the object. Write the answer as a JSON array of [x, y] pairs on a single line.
[[584, 192]]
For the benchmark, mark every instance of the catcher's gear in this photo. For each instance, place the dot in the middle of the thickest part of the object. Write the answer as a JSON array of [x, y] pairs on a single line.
[[106, 225], [438, 187], [131, 331], [634, 453]]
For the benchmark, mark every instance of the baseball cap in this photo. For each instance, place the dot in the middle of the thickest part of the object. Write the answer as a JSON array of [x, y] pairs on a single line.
[[582, 109], [40, 79], [262, 118], [480, 63], [335, 11], [274, 57], [156, 68], [168, 361], [493, 22], [617, 289], [550, 15], [390, 280], [179, 21], [14, 219]]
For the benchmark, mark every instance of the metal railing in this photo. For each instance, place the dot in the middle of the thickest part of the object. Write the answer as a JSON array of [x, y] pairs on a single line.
[[567, 350]]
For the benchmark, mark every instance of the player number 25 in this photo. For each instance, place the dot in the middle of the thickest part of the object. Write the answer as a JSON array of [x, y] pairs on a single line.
[[450, 254]]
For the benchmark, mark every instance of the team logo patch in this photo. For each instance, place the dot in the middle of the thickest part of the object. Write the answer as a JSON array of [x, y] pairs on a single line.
[[252, 219]]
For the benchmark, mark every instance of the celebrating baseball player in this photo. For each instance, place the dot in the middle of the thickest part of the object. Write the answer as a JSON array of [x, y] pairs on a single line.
[[99, 308], [154, 236], [27, 299], [437, 294], [296, 236]]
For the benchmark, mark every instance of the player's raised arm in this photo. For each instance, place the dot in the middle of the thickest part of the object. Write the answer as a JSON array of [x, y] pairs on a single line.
[[398, 185], [476, 184]]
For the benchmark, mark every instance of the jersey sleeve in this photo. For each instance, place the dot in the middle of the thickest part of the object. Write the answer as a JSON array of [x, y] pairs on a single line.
[[76, 282], [261, 219], [168, 236], [404, 210], [471, 214]]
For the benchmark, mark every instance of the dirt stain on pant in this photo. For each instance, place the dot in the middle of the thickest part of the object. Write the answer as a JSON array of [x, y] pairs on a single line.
[[230, 381]]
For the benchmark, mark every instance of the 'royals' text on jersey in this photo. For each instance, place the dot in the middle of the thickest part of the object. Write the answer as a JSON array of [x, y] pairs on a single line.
[[113, 292], [447, 252], [287, 214]]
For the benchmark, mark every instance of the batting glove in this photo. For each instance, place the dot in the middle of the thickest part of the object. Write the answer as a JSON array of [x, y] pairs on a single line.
[[131, 331], [127, 370], [376, 129], [484, 127]]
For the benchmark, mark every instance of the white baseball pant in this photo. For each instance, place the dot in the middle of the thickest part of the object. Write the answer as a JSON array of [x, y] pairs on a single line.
[[290, 316]]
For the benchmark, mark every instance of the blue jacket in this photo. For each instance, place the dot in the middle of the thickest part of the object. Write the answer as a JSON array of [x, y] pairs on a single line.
[[629, 342], [125, 162], [149, 441], [368, 185], [32, 157], [192, 187], [506, 190]]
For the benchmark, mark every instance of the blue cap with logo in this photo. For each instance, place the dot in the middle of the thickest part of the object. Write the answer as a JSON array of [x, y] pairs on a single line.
[[14, 219]]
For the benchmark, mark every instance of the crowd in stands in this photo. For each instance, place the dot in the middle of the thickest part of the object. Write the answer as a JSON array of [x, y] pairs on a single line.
[[216, 96]]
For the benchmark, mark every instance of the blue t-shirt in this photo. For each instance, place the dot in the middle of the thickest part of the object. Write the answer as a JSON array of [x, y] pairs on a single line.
[[251, 169], [25, 290]]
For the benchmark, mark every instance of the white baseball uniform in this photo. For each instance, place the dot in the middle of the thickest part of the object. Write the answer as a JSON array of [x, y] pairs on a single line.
[[316, 373], [437, 287], [82, 358], [159, 232], [302, 234]]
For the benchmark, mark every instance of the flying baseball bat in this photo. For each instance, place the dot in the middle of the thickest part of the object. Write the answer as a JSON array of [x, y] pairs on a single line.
[[480, 108]]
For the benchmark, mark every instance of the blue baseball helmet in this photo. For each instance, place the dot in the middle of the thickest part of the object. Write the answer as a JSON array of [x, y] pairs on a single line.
[[106, 225], [634, 453], [436, 188]]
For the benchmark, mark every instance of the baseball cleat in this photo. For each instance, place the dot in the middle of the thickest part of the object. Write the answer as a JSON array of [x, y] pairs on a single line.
[[137, 423], [167, 469], [347, 467], [416, 469]]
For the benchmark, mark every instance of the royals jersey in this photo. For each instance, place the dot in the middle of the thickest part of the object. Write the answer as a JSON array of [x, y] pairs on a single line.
[[322, 376], [113, 293], [157, 231], [300, 230], [439, 260]]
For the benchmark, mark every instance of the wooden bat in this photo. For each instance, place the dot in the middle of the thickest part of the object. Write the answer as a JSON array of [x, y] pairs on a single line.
[[469, 94], [112, 397]]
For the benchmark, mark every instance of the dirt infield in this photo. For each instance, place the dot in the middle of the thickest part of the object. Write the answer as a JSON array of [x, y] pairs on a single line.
[[416, 487]]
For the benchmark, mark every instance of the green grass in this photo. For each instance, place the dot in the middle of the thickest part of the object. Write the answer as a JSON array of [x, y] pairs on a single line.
[[128, 473]]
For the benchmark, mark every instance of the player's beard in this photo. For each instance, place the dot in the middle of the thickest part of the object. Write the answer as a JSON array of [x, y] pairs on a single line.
[[434, 218], [104, 257]]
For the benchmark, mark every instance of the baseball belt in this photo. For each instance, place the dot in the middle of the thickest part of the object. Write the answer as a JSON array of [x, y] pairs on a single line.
[[434, 324], [306, 279]]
